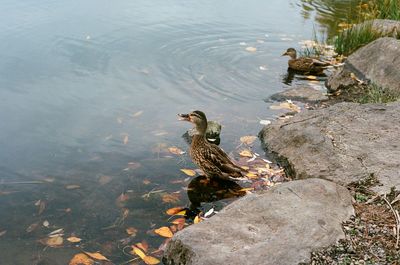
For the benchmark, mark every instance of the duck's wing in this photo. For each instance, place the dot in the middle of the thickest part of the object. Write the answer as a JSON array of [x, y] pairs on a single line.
[[223, 162]]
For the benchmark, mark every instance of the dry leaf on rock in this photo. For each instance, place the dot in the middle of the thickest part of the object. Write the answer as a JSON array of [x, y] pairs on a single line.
[[164, 231], [81, 259], [286, 105], [189, 172], [96, 255]]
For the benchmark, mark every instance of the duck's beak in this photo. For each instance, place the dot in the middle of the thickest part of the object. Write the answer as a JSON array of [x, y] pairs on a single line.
[[285, 54], [184, 117]]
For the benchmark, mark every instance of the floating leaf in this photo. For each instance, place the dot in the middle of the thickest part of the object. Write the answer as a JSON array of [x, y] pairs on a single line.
[[131, 231], [137, 114], [81, 259], [126, 139], [171, 198], [251, 49], [179, 221], [248, 139], [311, 77], [143, 246], [55, 241], [74, 239], [32, 227], [96, 255], [72, 187], [46, 223], [2, 233], [149, 260], [103, 180], [138, 251], [175, 150], [246, 153], [174, 210], [189, 172], [164, 231], [146, 182]]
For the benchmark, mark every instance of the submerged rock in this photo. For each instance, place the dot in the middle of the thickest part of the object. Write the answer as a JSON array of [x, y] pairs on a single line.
[[279, 226], [378, 63], [344, 143], [302, 94]]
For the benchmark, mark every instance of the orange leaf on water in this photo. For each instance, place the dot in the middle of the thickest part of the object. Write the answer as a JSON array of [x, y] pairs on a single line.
[[149, 260], [143, 245], [174, 210], [96, 255], [81, 259], [189, 172], [179, 221], [164, 231], [175, 150], [131, 231]]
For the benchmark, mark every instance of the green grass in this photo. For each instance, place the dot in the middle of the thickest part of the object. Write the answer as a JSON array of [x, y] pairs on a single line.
[[354, 38], [376, 94], [384, 9]]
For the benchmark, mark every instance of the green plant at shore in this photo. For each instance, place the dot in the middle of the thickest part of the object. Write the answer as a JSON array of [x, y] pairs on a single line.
[[376, 94], [354, 38], [383, 9]]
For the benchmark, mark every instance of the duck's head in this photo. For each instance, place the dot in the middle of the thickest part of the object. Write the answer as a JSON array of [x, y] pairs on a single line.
[[290, 52], [198, 118]]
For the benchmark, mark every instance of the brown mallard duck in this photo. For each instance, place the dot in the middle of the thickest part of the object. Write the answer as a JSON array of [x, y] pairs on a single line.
[[304, 64], [207, 156]]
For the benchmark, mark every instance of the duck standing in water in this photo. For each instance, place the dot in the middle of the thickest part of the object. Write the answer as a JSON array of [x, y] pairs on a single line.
[[209, 157], [304, 64]]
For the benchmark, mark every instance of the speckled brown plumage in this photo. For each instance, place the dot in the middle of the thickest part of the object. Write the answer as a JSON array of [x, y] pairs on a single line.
[[211, 159], [304, 64]]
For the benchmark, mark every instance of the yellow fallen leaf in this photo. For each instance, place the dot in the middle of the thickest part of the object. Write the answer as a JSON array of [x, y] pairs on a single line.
[[189, 172], [143, 246], [251, 49], [246, 189], [246, 153], [74, 239], [96, 255], [81, 259], [72, 187], [138, 251], [197, 220], [131, 231], [174, 210], [245, 167], [251, 175], [164, 231], [175, 150], [149, 260]]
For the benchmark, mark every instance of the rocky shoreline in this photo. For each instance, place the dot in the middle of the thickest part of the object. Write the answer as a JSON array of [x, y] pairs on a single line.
[[331, 151]]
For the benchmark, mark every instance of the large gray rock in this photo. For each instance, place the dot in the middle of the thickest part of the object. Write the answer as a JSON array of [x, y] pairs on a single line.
[[343, 143], [280, 226], [378, 62]]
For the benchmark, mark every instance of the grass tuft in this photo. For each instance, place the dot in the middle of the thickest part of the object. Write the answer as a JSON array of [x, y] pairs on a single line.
[[375, 94]]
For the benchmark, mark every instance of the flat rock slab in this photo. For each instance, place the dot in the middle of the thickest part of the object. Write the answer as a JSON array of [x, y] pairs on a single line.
[[279, 226], [302, 94], [378, 62], [343, 143]]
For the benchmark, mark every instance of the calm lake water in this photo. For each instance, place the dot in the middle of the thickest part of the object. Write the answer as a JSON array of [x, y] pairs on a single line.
[[89, 93]]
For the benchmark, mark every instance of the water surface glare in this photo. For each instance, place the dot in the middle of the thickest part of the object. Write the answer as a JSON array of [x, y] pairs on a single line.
[[87, 87]]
